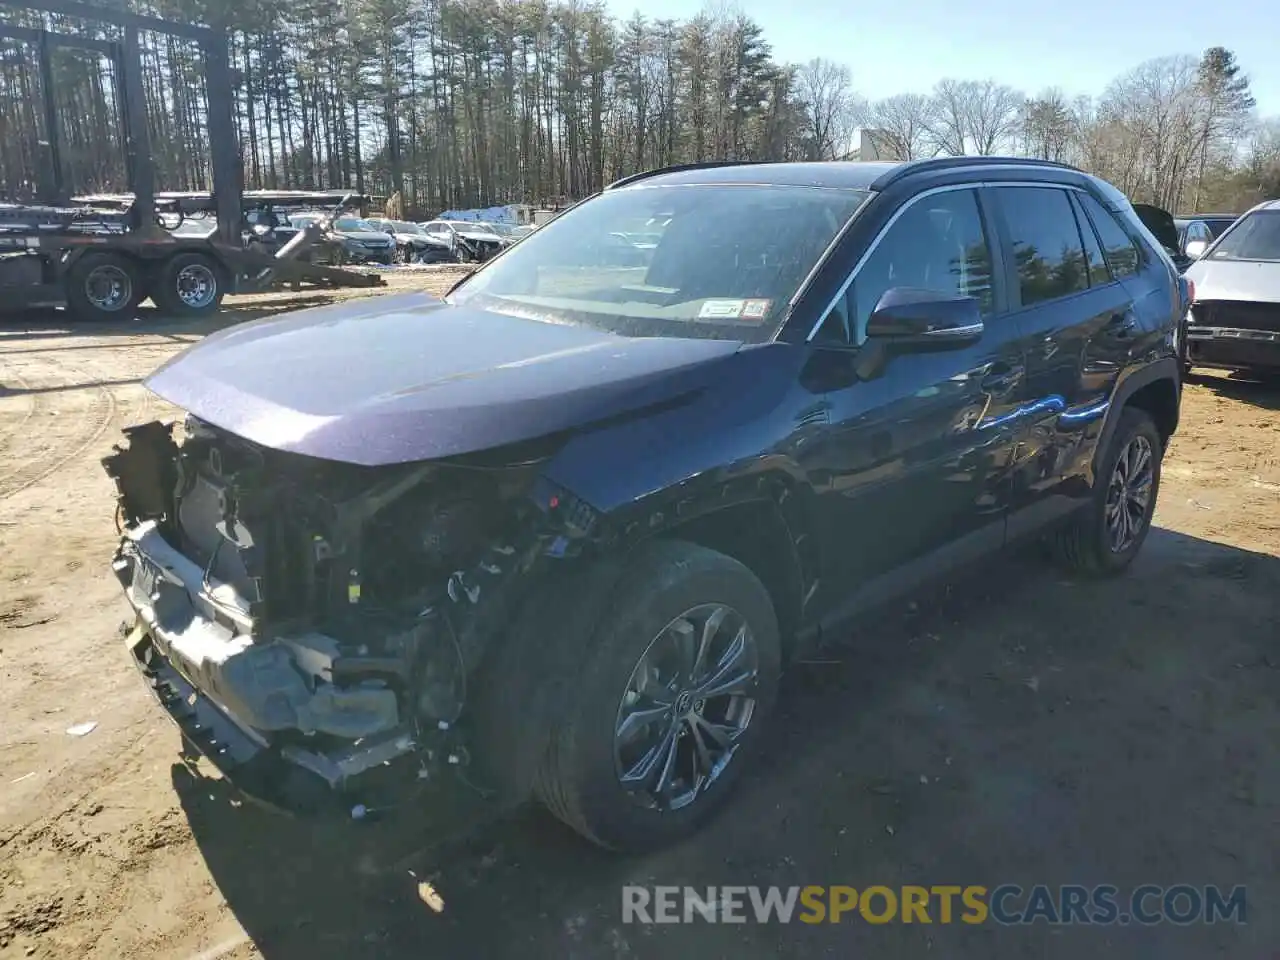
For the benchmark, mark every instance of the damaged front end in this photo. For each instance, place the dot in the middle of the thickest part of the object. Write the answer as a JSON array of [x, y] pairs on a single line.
[[307, 622]]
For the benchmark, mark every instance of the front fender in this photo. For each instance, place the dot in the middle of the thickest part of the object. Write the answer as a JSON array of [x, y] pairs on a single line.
[[741, 424]]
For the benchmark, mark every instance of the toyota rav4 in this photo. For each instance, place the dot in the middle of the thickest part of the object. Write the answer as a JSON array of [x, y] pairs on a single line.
[[566, 526]]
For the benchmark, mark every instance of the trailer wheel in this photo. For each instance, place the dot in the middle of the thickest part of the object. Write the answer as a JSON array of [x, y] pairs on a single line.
[[104, 286], [189, 285]]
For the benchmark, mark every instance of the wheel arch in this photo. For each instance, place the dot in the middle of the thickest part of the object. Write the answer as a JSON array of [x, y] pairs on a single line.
[[757, 535], [1159, 399], [1156, 389]]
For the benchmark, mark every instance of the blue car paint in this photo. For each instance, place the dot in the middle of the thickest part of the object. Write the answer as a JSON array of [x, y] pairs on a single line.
[[411, 378], [655, 430]]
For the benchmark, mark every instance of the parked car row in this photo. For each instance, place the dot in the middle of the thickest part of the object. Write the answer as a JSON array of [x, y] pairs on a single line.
[[447, 241], [414, 243], [381, 240], [347, 239]]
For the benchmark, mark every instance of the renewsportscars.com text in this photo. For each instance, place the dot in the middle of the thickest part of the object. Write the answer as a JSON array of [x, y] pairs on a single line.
[[1007, 904]]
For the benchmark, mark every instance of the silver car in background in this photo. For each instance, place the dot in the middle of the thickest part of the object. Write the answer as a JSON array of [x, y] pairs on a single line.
[[1234, 320]]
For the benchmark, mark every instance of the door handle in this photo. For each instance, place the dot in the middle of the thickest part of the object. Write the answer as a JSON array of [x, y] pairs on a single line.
[[1001, 378]]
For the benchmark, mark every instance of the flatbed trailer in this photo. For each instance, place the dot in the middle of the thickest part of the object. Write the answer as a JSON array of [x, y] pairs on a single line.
[[101, 255], [89, 257]]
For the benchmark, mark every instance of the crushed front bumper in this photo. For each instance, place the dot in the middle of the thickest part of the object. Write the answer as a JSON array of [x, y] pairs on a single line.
[[182, 645], [1233, 348]]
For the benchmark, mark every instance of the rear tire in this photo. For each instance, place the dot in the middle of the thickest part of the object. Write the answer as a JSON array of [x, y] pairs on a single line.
[[1105, 536], [667, 596], [189, 285], [105, 286]]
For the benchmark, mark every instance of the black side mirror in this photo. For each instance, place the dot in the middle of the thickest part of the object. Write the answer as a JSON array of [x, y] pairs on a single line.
[[907, 318]]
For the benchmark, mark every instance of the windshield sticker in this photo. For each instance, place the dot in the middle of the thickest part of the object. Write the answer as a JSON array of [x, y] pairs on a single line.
[[721, 309], [755, 309]]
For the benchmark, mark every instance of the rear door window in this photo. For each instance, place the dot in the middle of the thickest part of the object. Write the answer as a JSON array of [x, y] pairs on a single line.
[[1047, 250]]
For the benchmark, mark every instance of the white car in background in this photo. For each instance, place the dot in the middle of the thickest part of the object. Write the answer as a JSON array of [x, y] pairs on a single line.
[[1234, 320], [469, 239]]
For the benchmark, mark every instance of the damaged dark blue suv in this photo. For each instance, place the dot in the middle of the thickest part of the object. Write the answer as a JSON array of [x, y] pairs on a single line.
[[567, 526]]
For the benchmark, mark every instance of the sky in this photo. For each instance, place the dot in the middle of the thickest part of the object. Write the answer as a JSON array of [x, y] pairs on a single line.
[[908, 45]]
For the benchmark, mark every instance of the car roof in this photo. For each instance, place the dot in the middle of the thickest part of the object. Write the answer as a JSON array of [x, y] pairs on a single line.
[[846, 174]]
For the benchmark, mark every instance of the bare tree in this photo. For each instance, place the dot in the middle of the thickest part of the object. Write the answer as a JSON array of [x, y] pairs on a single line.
[[1156, 114], [1049, 125], [829, 107], [899, 125], [1262, 151], [994, 111], [947, 118], [973, 116]]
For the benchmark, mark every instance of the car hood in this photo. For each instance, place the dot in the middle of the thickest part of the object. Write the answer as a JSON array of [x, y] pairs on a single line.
[[1255, 280], [405, 378], [480, 235]]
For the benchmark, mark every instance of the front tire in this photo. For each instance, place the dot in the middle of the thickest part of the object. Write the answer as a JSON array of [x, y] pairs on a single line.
[[678, 681], [1106, 535]]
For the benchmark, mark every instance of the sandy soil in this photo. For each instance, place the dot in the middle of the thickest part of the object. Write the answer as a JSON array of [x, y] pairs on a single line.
[[1025, 728]]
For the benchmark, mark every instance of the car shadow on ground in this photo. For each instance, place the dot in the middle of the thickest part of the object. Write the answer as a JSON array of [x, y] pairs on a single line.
[[1260, 392], [1016, 727]]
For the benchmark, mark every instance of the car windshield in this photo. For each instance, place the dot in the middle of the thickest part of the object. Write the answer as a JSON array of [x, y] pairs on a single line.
[[403, 226], [1256, 236], [711, 260], [351, 223]]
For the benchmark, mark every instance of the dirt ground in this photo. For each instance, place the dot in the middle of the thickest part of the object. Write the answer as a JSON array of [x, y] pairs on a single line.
[[1019, 727]]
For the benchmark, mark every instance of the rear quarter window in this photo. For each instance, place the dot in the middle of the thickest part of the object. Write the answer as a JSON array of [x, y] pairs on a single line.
[[1120, 250]]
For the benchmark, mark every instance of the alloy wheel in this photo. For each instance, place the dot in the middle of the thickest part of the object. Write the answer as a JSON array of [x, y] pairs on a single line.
[[1129, 494], [686, 706]]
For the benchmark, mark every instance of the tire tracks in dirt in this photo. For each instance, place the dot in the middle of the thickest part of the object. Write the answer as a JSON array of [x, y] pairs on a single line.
[[56, 448], [97, 404], [36, 403]]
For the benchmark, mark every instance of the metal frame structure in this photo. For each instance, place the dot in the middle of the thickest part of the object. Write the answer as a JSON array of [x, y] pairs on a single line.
[[224, 159], [61, 230]]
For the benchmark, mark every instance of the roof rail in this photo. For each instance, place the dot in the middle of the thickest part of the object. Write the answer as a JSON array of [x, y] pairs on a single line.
[[681, 167], [911, 167]]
